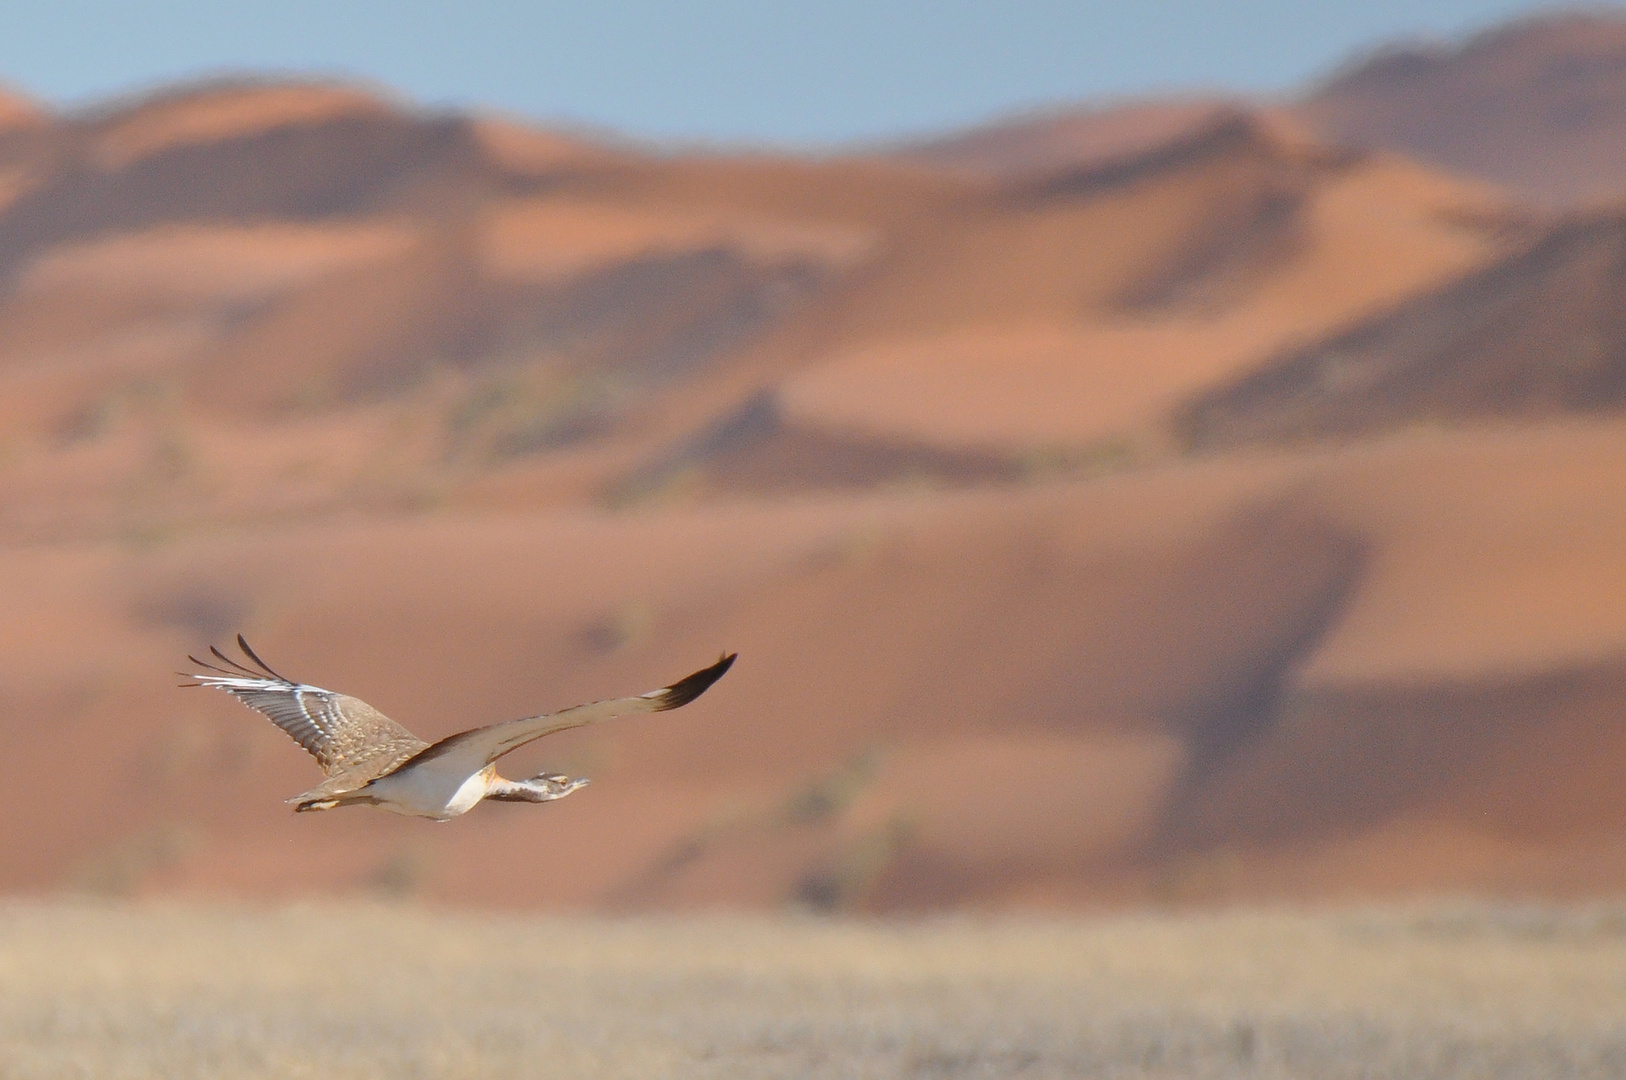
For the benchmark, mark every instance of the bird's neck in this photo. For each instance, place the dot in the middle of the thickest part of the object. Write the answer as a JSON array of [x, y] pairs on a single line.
[[537, 789]]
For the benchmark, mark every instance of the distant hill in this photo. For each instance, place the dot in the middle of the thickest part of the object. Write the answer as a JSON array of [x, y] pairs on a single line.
[[1538, 105]]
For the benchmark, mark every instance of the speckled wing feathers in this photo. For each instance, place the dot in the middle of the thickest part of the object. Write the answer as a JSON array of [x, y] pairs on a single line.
[[353, 742]]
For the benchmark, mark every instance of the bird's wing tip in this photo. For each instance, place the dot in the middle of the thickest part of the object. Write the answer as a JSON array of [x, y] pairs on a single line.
[[690, 687], [234, 669]]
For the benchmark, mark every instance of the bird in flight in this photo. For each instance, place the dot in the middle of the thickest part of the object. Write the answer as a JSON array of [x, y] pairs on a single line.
[[370, 760]]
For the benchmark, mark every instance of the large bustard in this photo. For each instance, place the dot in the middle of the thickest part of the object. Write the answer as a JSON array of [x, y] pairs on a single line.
[[370, 760]]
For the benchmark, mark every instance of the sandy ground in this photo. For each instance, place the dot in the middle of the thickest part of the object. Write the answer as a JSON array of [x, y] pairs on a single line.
[[179, 992]]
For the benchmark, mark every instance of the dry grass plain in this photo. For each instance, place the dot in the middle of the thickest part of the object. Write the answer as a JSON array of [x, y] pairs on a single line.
[[127, 991]]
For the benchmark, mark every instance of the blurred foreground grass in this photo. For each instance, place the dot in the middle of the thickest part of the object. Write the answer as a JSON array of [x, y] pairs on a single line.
[[112, 991]]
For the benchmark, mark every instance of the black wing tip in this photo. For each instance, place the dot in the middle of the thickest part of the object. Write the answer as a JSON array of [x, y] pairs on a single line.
[[690, 687], [234, 668], [248, 651]]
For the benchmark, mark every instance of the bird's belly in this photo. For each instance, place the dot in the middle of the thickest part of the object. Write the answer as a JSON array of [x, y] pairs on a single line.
[[423, 793]]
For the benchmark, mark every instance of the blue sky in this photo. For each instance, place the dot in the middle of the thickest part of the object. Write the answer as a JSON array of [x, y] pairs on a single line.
[[813, 72]]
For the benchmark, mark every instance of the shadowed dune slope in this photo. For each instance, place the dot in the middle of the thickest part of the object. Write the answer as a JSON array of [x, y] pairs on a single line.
[[1536, 334]]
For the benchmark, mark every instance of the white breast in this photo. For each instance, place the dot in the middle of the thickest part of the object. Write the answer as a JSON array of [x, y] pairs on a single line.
[[428, 792]]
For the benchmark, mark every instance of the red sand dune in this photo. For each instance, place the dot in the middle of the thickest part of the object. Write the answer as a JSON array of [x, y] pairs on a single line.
[[1169, 507]]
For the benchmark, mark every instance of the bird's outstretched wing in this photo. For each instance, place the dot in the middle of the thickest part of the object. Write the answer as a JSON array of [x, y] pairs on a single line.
[[470, 751], [351, 740]]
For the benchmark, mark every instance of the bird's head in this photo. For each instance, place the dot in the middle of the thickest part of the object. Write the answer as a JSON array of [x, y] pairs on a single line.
[[545, 787]]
